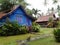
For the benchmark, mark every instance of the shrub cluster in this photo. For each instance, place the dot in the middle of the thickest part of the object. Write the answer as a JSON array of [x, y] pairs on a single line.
[[35, 27], [12, 29], [57, 34]]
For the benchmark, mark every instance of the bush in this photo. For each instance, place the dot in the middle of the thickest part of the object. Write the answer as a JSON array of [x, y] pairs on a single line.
[[35, 27], [57, 34], [23, 30], [14, 28], [8, 29]]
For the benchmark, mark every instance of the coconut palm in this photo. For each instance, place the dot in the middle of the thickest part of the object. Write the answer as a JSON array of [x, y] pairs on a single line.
[[45, 2], [55, 1], [35, 11], [52, 9], [58, 8], [48, 11]]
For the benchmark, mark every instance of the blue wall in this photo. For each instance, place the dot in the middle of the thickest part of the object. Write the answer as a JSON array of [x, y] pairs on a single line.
[[19, 16]]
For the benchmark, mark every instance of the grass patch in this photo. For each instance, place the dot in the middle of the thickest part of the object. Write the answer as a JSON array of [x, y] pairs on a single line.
[[11, 40], [45, 41], [46, 30]]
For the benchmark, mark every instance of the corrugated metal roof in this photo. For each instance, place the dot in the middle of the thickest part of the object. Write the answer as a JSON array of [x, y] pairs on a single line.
[[45, 18]]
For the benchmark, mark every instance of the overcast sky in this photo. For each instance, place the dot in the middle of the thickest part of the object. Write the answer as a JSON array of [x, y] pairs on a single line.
[[39, 4]]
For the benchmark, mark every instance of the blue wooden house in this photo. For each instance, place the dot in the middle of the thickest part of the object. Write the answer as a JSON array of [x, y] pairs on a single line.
[[18, 14]]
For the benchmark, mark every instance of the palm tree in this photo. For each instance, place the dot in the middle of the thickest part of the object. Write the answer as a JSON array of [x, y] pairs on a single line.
[[52, 10], [58, 8], [55, 1], [48, 11], [45, 2], [35, 12]]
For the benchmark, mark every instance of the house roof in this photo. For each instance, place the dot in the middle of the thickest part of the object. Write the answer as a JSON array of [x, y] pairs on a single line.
[[2, 14], [46, 18]]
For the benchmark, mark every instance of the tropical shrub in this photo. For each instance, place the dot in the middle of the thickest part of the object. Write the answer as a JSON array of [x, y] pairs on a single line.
[[50, 22], [23, 30], [12, 29], [57, 34], [35, 27]]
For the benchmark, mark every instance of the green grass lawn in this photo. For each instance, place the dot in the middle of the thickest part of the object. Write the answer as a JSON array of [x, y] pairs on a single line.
[[11, 40], [45, 41], [46, 30]]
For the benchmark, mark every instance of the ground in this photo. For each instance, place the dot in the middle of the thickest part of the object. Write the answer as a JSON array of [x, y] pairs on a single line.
[[44, 41], [11, 40]]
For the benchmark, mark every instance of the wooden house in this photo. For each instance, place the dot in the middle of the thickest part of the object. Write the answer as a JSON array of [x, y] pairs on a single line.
[[18, 14], [43, 20]]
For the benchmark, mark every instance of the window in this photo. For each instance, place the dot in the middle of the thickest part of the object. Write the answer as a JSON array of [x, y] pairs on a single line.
[[19, 18]]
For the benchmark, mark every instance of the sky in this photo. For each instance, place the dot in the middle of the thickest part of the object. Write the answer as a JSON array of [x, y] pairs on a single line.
[[39, 4]]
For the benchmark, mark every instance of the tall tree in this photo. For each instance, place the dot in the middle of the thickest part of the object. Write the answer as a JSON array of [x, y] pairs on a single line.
[[55, 1], [24, 4], [58, 8], [29, 11], [6, 6], [52, 10], [35, 12], [48, 11], [19, 2], [45, 2]]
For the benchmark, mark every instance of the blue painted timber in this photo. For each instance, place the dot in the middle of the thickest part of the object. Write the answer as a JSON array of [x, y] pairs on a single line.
[[18, 15]]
